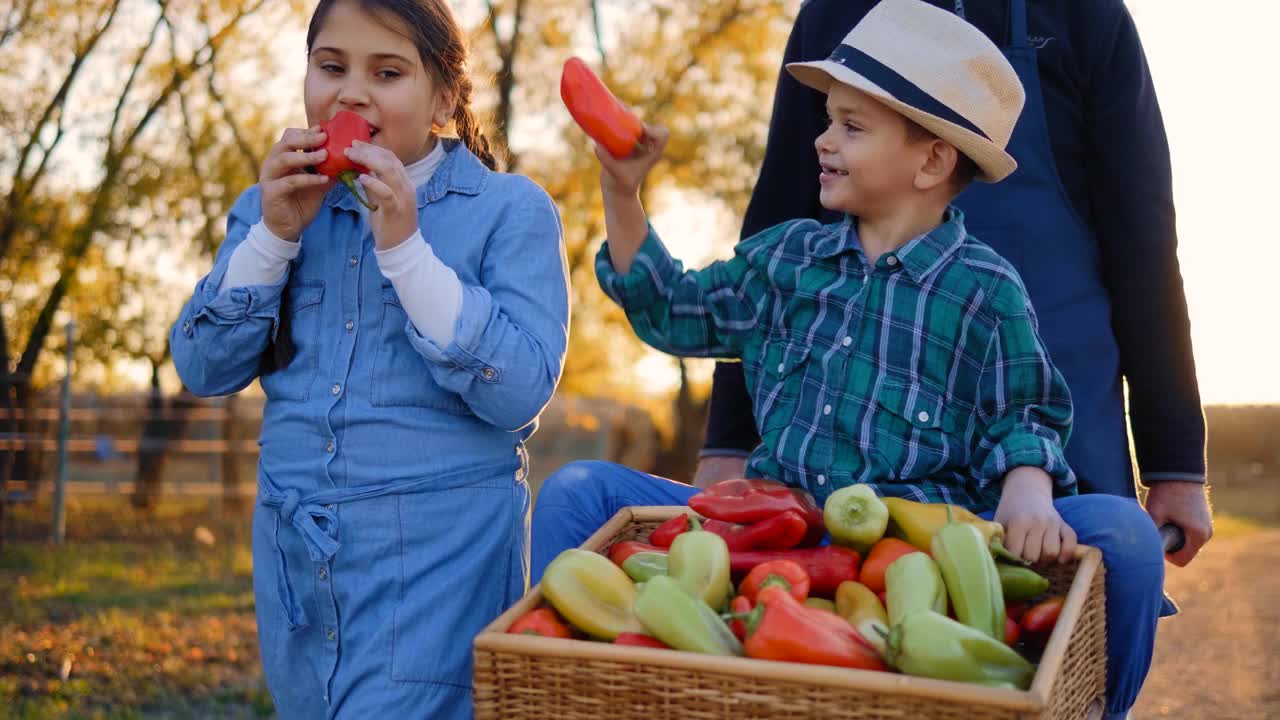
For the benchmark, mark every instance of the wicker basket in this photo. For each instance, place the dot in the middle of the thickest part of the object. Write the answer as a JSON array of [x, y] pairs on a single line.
[[525, 676]]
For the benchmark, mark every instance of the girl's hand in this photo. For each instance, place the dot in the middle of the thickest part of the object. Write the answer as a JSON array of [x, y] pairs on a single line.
[[1032, 527], [388, 186], [291, 196], [622, 177]]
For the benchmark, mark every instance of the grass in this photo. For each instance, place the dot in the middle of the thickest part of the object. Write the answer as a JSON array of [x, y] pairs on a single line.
[[134, 617]]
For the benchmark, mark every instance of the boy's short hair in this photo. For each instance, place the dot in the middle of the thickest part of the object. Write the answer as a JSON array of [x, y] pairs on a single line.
[[965, 171]]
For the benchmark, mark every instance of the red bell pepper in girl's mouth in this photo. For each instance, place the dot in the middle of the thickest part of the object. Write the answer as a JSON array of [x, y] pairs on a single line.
[[597, 111], [341, 131]]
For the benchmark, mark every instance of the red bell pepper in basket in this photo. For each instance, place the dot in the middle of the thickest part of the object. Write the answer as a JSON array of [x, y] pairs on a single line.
[[748, 501], [541, 621], [781, 628], [827, 566], [780, 532], [786, 574], [620, 551]]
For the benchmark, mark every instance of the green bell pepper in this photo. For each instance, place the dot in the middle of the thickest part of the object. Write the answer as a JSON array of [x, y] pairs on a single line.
[[592, 593], [699, 562], [927, 644], [644, 566], [669, 613]]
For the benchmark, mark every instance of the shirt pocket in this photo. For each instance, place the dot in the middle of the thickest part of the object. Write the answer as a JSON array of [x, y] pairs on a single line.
[[293, 382], [782, 372], [460, 568], [915, 430], [401, 377]]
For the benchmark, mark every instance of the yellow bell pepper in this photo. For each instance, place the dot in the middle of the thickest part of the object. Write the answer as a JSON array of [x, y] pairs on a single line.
[[917, 523]]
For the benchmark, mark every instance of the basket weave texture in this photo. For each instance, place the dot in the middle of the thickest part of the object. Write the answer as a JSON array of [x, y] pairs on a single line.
[[525, 676]]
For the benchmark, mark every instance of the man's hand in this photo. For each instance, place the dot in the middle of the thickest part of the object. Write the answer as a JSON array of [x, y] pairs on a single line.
[[1185, 504], [714, 468]]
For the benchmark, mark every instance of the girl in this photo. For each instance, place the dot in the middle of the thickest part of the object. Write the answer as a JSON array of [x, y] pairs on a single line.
[[405, 354]]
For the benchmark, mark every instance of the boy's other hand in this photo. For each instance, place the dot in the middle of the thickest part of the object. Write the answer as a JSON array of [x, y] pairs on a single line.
[[1033, 528], [622, 177], [1185, 504]]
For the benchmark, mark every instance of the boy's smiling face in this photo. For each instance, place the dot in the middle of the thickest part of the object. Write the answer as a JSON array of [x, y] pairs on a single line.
[[868, 162], [359, 62]]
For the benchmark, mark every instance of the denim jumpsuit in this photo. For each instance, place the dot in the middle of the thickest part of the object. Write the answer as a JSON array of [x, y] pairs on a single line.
[[392, 515]]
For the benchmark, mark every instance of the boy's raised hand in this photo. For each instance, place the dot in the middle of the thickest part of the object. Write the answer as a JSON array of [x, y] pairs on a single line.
[[389, 186], [291, 196], [622, 177], [1032, 526]]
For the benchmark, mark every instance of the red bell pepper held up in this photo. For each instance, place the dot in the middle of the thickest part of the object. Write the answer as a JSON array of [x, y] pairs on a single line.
[[640, 640], [620, 551], [340, 132], [597, 111], [827, 566], [781, 628], [751, 500], [541, 621], [786, 574]]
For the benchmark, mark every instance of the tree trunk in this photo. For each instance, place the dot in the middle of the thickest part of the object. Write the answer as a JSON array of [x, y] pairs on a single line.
[[689, 417], [151, 448], [29, 460]]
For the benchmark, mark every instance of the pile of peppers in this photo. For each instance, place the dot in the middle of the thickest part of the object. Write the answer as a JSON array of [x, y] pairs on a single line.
[[755, 579]]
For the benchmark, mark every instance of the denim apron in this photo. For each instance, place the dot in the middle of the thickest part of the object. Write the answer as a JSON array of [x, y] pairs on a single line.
[[1028, 218]]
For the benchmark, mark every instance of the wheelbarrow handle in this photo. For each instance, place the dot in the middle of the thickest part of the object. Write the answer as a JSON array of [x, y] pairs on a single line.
[[1172, 537]]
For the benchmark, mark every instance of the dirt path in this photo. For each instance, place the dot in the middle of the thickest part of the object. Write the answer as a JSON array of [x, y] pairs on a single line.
[[1220, 659]]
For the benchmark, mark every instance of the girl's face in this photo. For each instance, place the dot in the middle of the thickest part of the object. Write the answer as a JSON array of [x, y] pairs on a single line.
[[359, 63]]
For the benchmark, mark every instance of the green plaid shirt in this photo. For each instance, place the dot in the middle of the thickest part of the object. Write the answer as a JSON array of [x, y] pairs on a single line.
[[923, 376]]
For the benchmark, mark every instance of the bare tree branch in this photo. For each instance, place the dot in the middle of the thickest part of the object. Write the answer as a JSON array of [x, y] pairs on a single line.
[[82, 235], [229, 119], [20, 188], [16, 18]]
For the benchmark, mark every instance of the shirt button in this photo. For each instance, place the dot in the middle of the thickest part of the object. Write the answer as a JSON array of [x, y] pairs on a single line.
[[350, 325], [186, 327], [924, 416], [826, 410], [847, 341], [354, 260], [892, 260], [323, 574], [488, 373], [329, 447], [336, 389], [331, 634], [822, 479], [781, 367]]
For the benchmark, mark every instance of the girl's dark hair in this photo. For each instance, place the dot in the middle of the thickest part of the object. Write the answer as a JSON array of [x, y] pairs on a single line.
[[443, 48]]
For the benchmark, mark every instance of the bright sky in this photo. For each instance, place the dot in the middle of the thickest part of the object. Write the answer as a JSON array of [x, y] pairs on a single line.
[[1210, 70]]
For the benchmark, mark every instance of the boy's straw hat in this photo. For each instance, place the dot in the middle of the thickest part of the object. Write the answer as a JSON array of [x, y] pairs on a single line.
[[937, 70]]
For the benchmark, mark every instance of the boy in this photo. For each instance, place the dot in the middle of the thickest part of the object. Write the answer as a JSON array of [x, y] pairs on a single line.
[[890, 348]]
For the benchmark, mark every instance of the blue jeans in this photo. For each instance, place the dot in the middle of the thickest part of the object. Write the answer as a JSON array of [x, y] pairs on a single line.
[[581, 496]]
